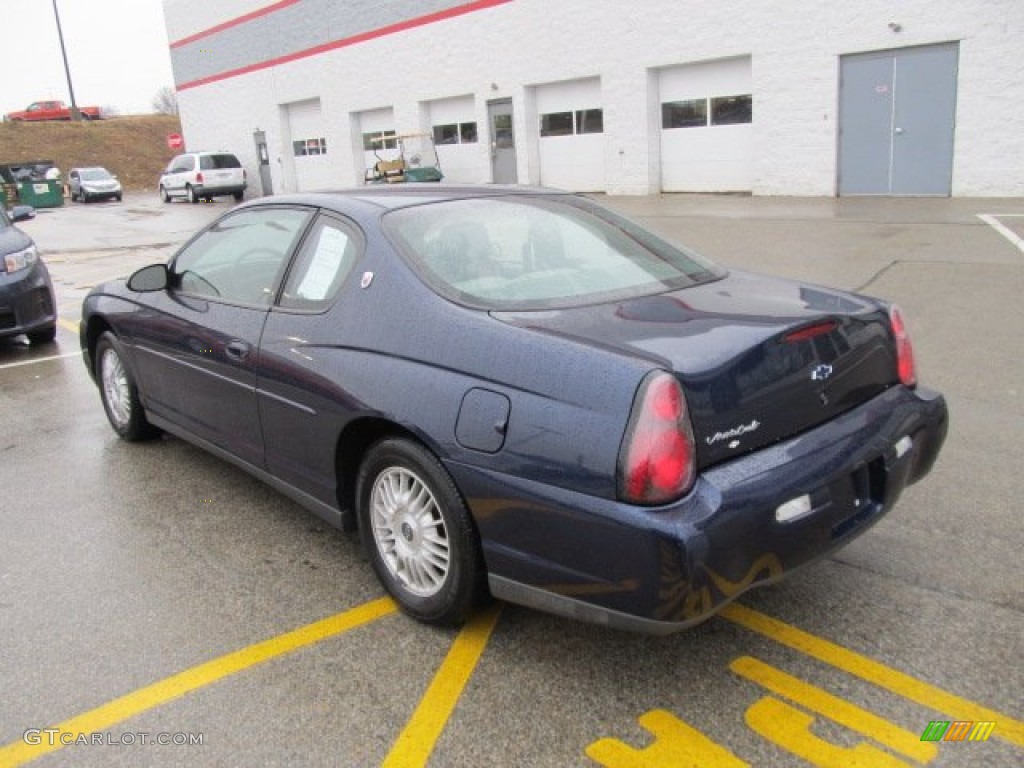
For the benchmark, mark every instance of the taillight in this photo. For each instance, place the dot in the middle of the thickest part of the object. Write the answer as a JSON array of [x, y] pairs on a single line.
[[657, 460], [904, 349], [199, 178]]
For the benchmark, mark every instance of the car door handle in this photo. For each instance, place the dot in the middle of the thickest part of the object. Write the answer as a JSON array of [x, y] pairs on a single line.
[[237, 349]]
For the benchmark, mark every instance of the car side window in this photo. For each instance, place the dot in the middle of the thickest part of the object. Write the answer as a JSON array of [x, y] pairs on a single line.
[[241, 257], [324, 261]]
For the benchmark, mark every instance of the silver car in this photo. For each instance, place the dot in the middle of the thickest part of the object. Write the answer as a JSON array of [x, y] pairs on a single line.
[[95, 183]]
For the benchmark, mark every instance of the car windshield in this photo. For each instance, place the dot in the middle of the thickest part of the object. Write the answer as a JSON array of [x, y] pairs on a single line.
[[524, 252], [95, 174]]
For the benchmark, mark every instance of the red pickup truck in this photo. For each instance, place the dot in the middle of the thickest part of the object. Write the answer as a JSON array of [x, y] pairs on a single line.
[[52, 110]]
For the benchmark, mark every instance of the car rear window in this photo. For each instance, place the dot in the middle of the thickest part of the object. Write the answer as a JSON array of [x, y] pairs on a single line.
[[214, 162], [534, 252]]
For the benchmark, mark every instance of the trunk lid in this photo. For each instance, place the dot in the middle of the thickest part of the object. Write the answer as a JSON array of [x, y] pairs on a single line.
[[760, 359]]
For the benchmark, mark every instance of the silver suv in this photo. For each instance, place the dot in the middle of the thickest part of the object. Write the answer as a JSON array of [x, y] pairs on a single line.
[[93, 184], [202, 176]]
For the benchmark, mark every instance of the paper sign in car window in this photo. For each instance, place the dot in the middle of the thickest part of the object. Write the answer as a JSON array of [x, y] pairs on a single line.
[[324, 266]]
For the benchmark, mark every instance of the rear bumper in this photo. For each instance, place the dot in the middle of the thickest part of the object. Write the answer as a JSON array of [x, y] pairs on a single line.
[[216, 190], [662, 569]]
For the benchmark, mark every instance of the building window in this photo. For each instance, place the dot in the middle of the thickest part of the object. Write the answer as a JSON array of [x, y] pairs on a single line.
[[724, 110], [455, 133], [369, 145], [732, 110], [304, 147], [684, 114], [589, 121], [556, 124], [568, 123]]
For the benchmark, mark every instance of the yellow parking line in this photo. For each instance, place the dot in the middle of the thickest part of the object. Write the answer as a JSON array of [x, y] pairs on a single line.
[[170, 688], [911, 688], [68, 325], [834, 708], [417, 739]]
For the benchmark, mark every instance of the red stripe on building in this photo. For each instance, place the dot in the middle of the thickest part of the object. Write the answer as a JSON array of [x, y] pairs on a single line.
[[334, 45], [234, 22]]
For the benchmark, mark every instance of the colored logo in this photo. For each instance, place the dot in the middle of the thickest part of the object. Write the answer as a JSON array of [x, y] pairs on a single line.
[[958, 730]]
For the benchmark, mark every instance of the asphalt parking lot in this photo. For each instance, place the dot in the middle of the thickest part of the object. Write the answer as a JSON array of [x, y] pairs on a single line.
[[150, 593]]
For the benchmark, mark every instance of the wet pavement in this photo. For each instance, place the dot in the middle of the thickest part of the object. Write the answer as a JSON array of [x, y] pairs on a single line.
[[131, 574]]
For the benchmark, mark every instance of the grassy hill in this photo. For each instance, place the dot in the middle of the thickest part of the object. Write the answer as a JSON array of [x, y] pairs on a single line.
[[133, 148]]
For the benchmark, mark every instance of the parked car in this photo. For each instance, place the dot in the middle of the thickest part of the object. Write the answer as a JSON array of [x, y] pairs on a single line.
[[518, 391], [38, 111], [95, 183], [202, 176], [27, 304]]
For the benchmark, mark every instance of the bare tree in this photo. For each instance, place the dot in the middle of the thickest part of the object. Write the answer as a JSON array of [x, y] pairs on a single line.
[[165, 101]]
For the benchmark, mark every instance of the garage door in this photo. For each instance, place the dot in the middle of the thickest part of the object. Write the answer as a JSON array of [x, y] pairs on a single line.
[[376, 124], [308, 145], [706, 126], [571, 135], [453, 122]]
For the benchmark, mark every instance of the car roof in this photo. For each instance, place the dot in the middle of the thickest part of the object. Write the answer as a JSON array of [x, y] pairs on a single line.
[[404, 195], [89, 168]]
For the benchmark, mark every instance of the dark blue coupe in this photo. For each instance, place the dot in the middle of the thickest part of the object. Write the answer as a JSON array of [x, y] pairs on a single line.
[[516, 392]]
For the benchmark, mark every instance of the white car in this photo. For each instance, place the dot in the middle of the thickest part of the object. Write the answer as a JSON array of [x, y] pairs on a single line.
[[199, 176], [93, 184]]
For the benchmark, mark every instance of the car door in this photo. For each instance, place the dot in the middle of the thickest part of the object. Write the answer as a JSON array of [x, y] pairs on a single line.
[[302, 400], [177, 173], [197, 343]]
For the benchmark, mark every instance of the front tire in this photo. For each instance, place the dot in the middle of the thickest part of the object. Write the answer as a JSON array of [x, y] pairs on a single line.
[[163, 194], [418, 533], [44, 336], [118, 392]]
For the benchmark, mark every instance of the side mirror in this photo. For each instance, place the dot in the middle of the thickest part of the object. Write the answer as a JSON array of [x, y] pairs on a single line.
[[22, 213], [155, 277]]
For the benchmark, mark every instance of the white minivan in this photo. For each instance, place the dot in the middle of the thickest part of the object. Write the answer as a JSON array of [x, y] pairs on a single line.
[[199, 176]]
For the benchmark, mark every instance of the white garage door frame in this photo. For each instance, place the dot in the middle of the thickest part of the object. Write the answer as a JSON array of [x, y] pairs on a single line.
[[575, 162], [306, 124], [712, 158], [372, 121], [462, 161]]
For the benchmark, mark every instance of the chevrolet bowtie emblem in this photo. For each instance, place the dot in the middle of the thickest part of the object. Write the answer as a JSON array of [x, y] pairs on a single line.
[[821, 373]]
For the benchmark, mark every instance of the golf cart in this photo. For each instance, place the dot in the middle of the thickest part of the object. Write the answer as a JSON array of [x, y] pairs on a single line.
[[402, 158]]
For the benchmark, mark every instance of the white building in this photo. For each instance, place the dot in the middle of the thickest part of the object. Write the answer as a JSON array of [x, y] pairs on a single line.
[[809, 97]]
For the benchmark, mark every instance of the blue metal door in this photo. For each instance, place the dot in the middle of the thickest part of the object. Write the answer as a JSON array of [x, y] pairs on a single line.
[[897, 114]]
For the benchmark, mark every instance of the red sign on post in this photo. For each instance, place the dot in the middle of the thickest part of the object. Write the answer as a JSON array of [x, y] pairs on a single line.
[[174, 141]]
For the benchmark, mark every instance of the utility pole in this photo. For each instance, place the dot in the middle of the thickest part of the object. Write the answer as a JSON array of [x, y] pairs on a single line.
[[75, 114]]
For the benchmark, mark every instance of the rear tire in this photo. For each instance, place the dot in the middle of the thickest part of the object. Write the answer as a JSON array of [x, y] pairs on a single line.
[[238, 197], [118, 392], [418, 533], [190, 193]]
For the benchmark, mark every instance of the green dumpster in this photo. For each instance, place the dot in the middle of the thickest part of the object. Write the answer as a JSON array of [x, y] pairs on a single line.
[[3, 198], [48, 193]]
